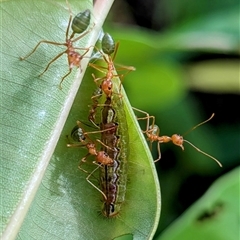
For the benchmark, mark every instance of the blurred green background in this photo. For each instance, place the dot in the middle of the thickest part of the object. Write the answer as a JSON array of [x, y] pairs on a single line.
[[187, 58]]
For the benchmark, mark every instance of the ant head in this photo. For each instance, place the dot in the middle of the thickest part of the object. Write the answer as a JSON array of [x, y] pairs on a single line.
[[178, 140], [106, 87], [91, 148]]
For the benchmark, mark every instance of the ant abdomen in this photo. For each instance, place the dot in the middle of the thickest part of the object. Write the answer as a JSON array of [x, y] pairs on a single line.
[[81, 21], [108, 44]]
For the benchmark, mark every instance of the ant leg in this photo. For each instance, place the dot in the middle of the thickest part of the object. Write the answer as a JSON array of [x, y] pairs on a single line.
[[97, 79], [87, 178], [73, 145], [100, 131], [54, 59], [82, 56], [98, 95], [159, 152], [115, 51], [82, 35], [83, 160], [60, 84], [70, 19], [43, 41], [148, 117], [105, 145], [206, 154], [99, 68], [121, 76]]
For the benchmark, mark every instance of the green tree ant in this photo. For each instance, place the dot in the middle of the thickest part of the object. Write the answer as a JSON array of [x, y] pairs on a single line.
[[152, 132], [101, 157], [108, 48], [79, 24]]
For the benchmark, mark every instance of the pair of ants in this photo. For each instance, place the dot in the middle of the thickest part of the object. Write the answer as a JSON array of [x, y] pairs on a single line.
[[79, 25], [152, 133]]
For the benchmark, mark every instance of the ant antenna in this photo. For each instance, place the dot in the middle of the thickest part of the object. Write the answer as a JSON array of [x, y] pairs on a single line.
[[198, 125], [206, 154], [176, 141]]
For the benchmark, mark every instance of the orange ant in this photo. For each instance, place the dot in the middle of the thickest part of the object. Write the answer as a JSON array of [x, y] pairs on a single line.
[[108, 47], [152, 133], [79, 24], [101, 157]]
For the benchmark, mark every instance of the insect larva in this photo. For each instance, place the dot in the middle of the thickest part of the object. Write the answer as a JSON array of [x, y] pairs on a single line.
[[79, 24], [114, 176], [109, 175], [152, 132], [106, 111]]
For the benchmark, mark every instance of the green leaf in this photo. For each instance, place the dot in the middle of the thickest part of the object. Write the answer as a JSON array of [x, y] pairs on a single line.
[[33, 113], [214, 216], [69, 196]]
